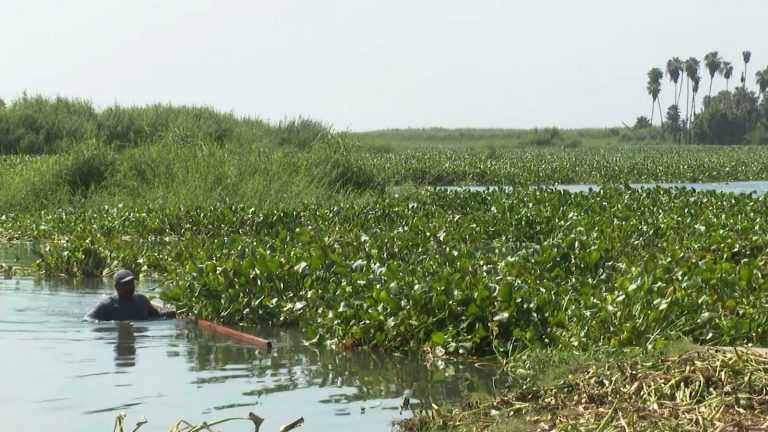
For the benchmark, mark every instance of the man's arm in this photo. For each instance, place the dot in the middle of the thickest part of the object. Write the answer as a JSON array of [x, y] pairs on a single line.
[[168, 313], [155, 313], [100, 312]]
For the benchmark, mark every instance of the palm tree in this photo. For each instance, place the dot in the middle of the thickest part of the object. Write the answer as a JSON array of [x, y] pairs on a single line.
[[673, 122], [746, 55], [695, 89], [654, 88], [726, 70], [691, 68], [713, 63], [674, 69]]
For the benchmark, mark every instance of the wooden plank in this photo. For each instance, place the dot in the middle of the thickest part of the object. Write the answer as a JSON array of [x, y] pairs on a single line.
[[261, 344]]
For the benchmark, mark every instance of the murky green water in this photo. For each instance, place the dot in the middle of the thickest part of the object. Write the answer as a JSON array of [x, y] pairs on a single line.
[[58, 373]]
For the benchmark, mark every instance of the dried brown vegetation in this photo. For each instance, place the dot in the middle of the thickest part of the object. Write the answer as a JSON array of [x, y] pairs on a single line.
[[704, 390]]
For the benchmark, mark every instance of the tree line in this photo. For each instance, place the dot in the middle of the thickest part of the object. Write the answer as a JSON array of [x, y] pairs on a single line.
[[730, 117]]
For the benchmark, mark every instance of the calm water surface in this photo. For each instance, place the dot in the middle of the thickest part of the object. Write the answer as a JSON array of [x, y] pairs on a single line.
[[59, 373], [758, 187]]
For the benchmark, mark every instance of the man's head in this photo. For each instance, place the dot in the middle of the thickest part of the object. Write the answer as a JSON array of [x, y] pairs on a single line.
[[124, 284]]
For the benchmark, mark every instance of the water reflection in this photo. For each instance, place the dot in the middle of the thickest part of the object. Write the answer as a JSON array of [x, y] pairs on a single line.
[[125, 345], [122, 335], [370, 375]]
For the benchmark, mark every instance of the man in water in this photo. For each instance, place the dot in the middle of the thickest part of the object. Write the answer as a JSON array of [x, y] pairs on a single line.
[[125, 304]]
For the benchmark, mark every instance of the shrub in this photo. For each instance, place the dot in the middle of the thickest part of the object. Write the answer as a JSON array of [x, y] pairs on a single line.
[[572, 143], [642, 122], [298, 133], [727, 118], [491, 150], [133, 125], [37, 125], [380, 148], [758, 137], [545, 137], [337, 167], [85, 166], [649, 134]]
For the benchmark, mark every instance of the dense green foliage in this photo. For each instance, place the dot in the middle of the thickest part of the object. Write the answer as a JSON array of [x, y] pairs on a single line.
[[34, 125], [169, 174], [727, 118], [64, 154], [172, 156], [550, 166], [470, 272], [172, 173], [38, 125]]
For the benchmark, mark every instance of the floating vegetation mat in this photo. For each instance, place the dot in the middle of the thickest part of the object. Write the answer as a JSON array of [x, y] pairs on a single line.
[[706, 390], [470, 273]]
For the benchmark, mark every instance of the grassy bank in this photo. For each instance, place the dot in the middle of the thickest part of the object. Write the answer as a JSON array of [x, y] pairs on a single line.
[[171, 173], [62, 153]]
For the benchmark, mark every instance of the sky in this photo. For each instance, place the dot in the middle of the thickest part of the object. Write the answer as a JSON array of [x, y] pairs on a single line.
[[368, 64]]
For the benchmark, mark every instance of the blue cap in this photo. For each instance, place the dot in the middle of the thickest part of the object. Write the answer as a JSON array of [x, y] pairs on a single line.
[[122, 276]]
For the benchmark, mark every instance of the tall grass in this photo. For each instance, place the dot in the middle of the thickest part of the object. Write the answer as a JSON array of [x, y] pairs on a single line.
[[171, 172], [40, 125], [37, 125], [167, 155], [126, 126], [299, 133], [31, 184]]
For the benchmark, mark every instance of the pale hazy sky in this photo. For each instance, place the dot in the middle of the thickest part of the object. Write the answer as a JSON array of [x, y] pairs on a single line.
[[361, 65]]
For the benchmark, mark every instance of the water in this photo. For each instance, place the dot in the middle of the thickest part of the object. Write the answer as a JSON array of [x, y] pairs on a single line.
[[59, 373], [758, 187]]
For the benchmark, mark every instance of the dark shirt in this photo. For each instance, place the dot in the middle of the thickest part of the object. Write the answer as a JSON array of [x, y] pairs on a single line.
[[112, 309]]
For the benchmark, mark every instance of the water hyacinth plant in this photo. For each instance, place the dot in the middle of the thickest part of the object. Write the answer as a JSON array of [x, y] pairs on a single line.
[[471, 272]]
